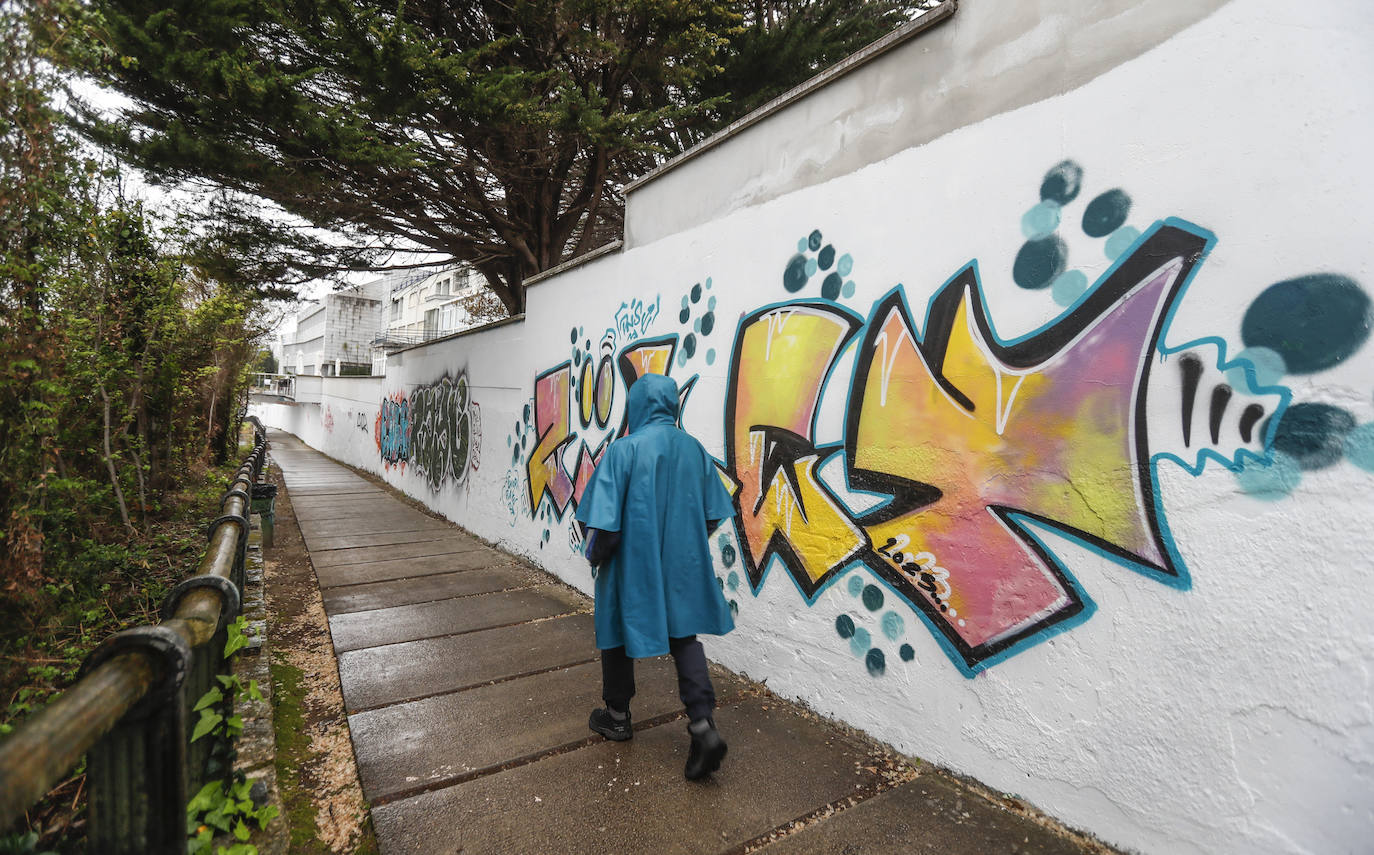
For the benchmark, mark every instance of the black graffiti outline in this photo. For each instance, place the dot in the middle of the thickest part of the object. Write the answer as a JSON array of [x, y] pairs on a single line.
[[1166, 243]]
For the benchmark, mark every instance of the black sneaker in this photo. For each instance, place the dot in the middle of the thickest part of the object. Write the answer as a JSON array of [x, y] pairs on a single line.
[[707, 750], [616, 730]]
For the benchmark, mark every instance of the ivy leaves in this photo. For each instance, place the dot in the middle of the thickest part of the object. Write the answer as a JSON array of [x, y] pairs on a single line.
[[225, 805]]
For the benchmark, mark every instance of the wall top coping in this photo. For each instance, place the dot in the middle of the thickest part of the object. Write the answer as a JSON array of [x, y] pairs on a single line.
[[517, 319], [902, 34], [584, 258]]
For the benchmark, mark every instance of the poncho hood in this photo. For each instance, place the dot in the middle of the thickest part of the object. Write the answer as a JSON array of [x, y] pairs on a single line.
[[653, 400]]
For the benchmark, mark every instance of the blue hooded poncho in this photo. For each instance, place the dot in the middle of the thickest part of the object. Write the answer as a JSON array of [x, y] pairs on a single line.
[[658, 488]]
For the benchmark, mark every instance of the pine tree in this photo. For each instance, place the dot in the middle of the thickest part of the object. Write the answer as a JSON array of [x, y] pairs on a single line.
[[490, 132]]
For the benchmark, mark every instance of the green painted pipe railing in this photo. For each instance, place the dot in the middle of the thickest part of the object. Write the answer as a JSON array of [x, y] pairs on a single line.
[[130, 710]]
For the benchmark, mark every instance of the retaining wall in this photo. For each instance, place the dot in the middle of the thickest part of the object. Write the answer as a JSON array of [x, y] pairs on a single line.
[[1036, 351]]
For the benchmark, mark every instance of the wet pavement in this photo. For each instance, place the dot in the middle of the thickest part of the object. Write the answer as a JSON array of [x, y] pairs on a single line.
[[468, 676]]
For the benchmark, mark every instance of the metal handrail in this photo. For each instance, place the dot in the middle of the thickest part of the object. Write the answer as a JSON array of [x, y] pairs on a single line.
[[126, 673]]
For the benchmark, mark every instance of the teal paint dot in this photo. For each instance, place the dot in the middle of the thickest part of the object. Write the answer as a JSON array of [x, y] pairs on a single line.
[[858, 645], [734, 608], [1315, 322], [856, 585], [1068, 286], [845, 264], [733, 580], [794, 275], [711, 303], [1106, 213], [1120, 241], [844, 625], [893, 626], [682, 357], [708, 283], [907, 653], [801, 245], [1359, 446], [848, 289], [1271, 482], [1039, 262], [720, 583], [875, 662], [696, 325], [684, 301], [830, 288], [1040, 220], [711, 356], [727, 553], [811, 267], [873, 598], [507, 440], [1266, 362]]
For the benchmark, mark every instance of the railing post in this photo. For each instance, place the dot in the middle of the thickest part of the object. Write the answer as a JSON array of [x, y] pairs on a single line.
[[137, 771]]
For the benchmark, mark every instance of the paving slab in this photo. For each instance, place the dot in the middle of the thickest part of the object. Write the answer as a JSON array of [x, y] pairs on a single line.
[[312, 510], [367, 521], [347, 541], [454, 542], [370, 524], [359, 489], [375, 676], [931, 815], [407, 568], [355, 487], [449, 617], [380, 595], [630, 797], [423, 743]]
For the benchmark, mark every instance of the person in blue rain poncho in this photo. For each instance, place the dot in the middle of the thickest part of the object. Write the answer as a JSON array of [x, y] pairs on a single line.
[[647, 512]]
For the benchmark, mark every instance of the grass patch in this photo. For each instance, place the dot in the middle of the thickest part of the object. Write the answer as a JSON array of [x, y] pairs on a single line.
[[293, 753], [293, 750]]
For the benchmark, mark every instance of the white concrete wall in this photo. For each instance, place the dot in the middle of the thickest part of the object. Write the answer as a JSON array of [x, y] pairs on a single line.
[[1159, 635], [353, 323]]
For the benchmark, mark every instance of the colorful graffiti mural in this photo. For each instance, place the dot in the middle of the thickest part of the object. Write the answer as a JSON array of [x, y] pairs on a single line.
[[961, 449], [435, 429], [963, 458], [557, 396]]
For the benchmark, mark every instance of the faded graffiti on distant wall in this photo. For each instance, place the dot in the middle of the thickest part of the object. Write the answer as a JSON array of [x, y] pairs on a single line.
[[435, 429]]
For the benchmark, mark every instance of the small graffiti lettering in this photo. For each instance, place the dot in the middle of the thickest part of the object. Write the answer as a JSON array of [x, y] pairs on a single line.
[[634, 318]]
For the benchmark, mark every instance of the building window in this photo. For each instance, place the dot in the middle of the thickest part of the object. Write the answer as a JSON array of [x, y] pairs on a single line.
[[396, 310], [441, 289]]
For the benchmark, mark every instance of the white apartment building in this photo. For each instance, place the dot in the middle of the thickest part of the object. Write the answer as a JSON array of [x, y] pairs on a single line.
[[333, 336], [425, 308], [351, 330]]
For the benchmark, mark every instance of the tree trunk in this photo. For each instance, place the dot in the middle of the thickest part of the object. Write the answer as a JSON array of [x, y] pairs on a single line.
[[109, 465]]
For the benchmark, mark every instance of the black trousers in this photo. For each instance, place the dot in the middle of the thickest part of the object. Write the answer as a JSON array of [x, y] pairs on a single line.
[[693, 681]]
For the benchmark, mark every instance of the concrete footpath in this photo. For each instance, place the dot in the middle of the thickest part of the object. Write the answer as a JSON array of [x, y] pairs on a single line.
[[468, 677]]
